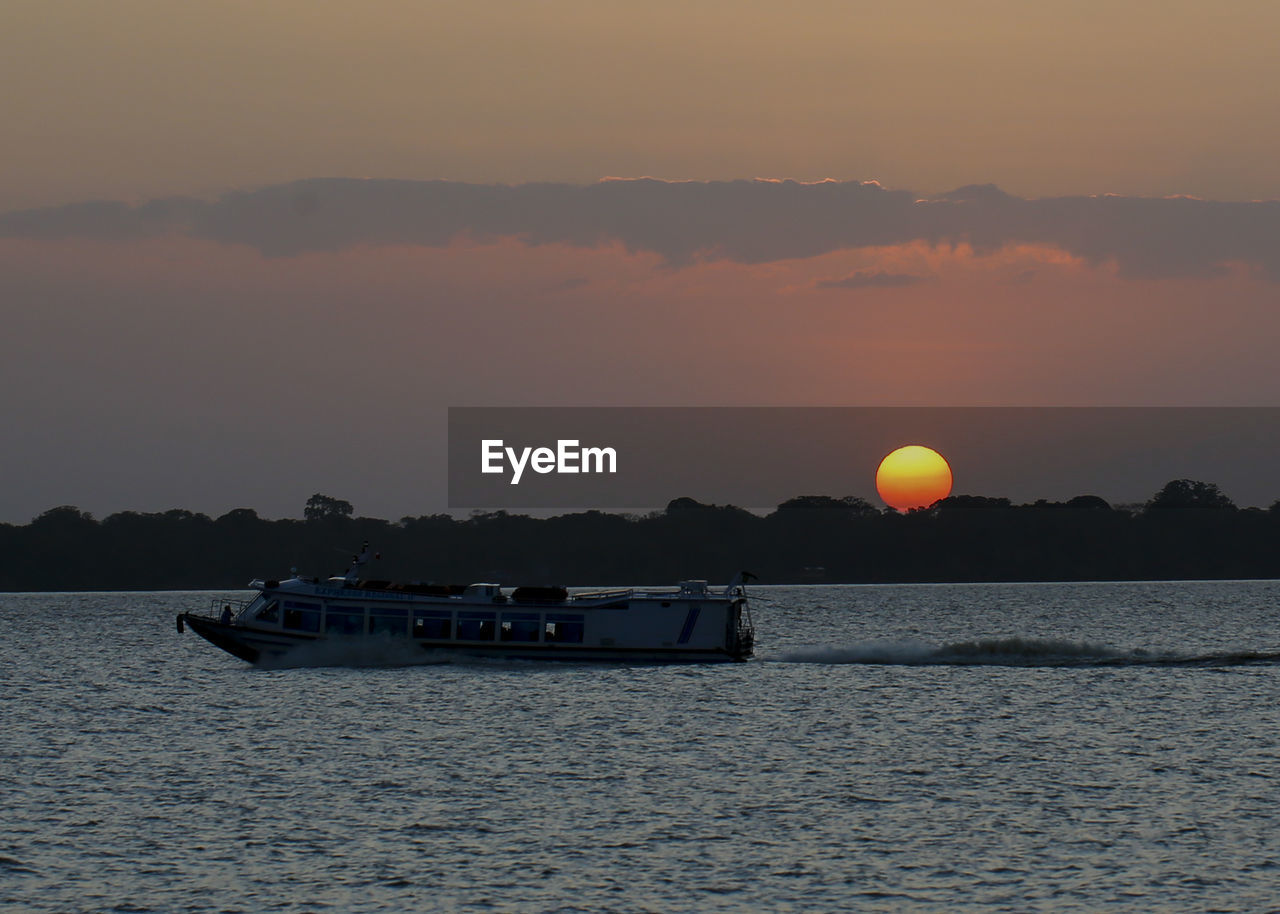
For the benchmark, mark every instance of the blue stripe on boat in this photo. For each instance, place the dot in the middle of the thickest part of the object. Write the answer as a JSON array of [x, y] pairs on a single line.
[[687, 632]]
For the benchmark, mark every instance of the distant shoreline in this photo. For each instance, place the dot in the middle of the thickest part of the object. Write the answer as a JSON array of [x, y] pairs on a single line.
[[754, 586], [1187, 532]]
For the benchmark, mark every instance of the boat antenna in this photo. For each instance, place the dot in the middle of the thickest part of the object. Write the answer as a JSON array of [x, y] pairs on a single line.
[[353, 573]]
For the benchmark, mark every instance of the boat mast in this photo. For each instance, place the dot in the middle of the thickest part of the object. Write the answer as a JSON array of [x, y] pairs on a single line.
[[357, 562]]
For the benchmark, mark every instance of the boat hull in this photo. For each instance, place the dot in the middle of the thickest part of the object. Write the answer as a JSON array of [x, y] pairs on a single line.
[[312, 622], [259, 647]]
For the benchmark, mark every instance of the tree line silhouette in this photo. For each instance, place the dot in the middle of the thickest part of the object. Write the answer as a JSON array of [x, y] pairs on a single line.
[[1187, 530]]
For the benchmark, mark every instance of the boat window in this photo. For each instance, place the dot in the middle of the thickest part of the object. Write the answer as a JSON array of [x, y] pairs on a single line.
[[344, 622], [476, 626], [302, 620], [269, 613], [564, 628], [303, 617], [432, 623], [388, 619], [519, 627]]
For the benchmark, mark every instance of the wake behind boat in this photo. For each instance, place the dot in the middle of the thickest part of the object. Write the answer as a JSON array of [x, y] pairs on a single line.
[[691, 623]]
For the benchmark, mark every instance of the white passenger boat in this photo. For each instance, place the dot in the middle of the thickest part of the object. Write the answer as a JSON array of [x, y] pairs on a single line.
[[689, 623]]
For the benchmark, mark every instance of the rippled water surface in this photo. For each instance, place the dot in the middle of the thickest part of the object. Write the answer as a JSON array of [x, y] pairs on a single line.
[[995, 747]]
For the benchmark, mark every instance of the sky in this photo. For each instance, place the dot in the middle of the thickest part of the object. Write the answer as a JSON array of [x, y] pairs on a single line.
[[249, 252]]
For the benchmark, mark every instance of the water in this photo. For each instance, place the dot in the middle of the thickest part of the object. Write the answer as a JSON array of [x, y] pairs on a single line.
[[993, 747]]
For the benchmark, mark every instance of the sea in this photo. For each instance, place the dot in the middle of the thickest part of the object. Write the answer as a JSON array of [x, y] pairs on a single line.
[[978, 747]]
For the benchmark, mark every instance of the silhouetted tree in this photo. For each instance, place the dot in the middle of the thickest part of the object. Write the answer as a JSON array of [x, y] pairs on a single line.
[[850, 504], [1189, 493], [1089, 503], [970, 502], [63, 517], [685, 503], [323, 507]]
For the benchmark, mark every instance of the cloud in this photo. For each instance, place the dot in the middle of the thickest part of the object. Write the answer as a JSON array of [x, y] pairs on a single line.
[[106, 220], [755, 221], [870, 279]]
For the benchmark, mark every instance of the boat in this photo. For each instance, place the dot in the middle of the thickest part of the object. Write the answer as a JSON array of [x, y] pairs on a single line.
[[688, 623]]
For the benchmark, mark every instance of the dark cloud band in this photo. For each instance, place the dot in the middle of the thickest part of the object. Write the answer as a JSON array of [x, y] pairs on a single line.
[[743, 221]]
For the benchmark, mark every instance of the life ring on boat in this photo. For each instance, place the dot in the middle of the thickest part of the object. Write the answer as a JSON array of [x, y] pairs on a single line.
[[181, 628]]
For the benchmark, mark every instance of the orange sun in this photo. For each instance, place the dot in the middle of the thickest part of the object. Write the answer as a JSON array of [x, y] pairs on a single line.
[[913, 477]]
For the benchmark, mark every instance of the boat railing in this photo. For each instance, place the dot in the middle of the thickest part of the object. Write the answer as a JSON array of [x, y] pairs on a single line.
[[620, 594], [746, 629], [236, 606]]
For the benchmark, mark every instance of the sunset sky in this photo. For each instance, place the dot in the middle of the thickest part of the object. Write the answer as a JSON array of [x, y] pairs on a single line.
[[252, 251]]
